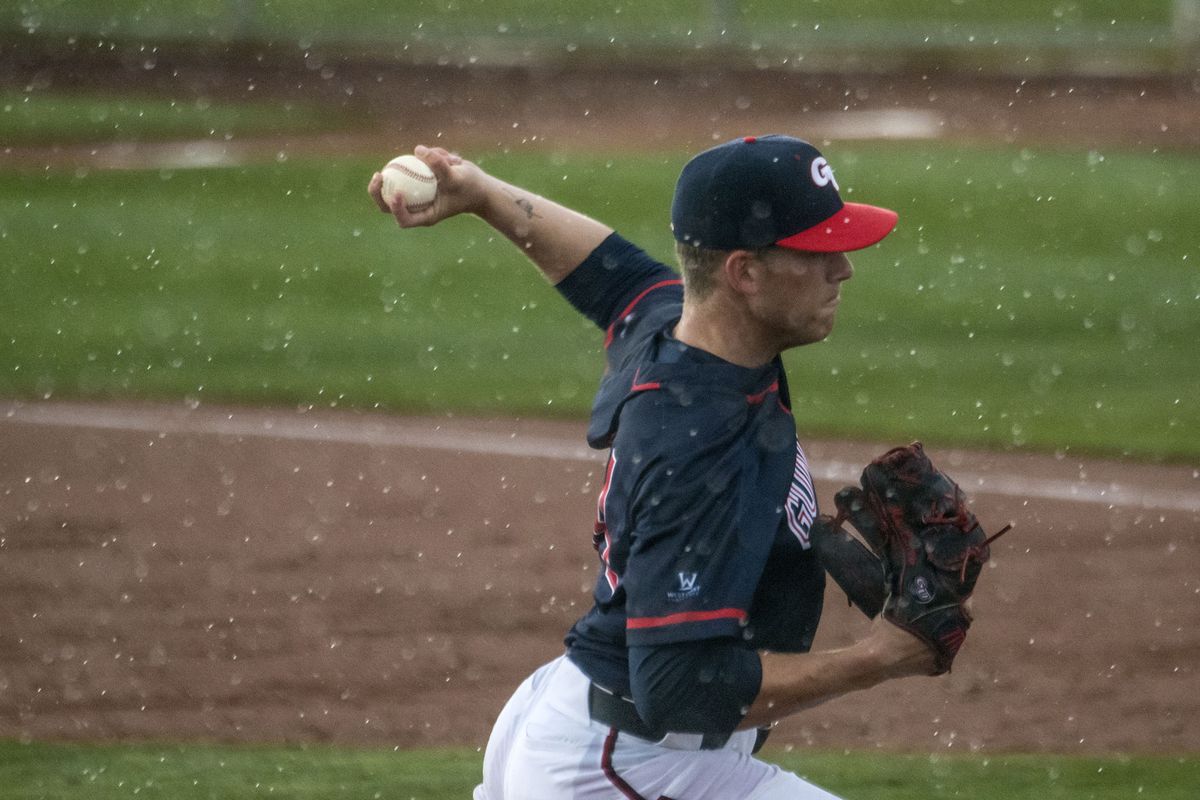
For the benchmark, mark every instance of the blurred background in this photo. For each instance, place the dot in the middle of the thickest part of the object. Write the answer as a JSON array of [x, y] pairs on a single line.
[[1105, 36]]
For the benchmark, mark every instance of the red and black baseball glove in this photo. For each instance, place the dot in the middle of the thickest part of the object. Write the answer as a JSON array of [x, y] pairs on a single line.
[[924, 552]]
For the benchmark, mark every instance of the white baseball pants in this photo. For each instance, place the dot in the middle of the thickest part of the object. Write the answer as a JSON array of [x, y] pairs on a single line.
[[546, 747]]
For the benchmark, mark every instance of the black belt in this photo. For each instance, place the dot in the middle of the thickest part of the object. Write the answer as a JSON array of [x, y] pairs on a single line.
[[620, 713]]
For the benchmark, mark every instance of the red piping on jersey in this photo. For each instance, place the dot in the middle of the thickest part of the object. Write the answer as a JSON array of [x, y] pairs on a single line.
[[608, 336], [606, 764], [635, 623], [755, 399], [643, 387]]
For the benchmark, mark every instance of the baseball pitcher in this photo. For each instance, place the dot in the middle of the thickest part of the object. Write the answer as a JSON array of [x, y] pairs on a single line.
[[712, 550]]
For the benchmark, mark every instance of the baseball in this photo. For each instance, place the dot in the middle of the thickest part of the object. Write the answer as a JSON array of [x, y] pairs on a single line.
[[411, 177]]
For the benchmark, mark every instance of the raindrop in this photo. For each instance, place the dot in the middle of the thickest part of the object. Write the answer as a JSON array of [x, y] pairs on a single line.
[[1135, 245]]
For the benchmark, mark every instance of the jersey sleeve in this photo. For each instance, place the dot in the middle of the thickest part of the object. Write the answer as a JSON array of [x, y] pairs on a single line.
[[615, 278], [689, 575], [694, 687]]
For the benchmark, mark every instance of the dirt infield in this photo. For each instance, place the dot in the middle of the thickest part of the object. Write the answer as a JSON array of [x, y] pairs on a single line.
[[238, 575], [389, 107]]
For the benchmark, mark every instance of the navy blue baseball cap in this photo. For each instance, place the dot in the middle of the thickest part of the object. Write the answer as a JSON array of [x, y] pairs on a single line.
[[760, 191]]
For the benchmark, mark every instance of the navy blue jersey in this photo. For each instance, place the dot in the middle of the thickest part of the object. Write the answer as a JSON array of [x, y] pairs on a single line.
[[703, 519]]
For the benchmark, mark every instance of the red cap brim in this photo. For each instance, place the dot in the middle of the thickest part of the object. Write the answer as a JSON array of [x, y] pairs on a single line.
[[854, 227]]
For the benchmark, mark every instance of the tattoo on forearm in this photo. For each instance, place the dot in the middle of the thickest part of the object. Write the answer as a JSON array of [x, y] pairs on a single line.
[[525, 205]]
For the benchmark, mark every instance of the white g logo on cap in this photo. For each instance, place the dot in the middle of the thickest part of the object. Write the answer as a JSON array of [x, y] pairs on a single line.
[[822, 173]]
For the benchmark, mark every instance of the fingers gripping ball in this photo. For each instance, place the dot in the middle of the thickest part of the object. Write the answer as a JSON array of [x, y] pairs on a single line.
[[411, 178], [926, 549]]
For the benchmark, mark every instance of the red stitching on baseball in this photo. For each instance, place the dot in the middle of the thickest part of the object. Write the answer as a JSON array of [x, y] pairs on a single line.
[[410, 173]]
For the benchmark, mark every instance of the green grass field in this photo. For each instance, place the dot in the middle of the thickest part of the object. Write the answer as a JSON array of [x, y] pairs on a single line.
[[1034, 299], [962, 21], [109, 772], [37, 118]]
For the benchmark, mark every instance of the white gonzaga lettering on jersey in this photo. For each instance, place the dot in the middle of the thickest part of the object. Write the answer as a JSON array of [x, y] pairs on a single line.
[[822, 173], [801, 506]]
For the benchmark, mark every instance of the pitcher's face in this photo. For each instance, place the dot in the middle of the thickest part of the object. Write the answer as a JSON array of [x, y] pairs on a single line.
[[801, 294]]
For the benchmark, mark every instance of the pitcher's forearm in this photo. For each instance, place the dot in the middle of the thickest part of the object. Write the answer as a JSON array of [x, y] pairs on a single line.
[[794, 682], [555, 238]]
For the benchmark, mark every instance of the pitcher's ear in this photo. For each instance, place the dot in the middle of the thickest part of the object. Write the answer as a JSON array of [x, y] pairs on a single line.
[[743, 271]]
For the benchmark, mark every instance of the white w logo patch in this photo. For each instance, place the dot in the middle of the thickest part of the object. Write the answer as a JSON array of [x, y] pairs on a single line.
[[688, 588]]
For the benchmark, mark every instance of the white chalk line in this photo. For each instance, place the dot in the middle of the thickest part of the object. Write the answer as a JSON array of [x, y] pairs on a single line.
[[393, 433]]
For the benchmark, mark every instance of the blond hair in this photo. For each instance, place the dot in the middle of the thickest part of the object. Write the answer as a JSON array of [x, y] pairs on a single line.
[[700, 267]]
